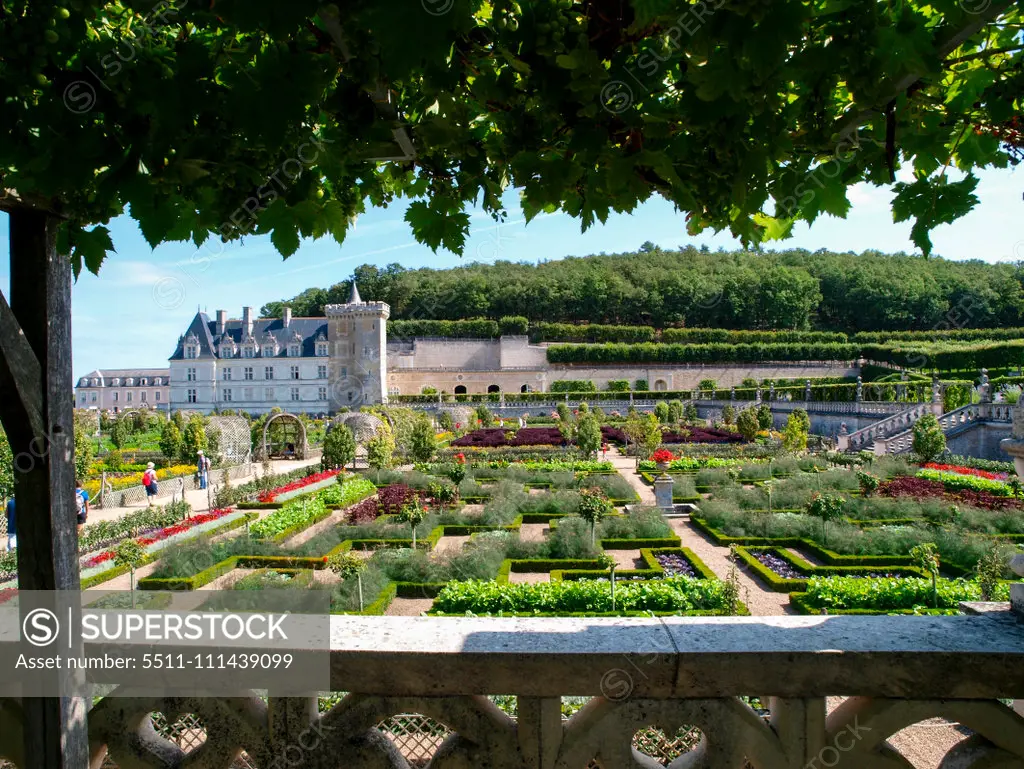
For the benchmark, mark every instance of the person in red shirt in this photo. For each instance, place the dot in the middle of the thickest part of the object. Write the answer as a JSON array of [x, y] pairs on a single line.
[[149, 481]]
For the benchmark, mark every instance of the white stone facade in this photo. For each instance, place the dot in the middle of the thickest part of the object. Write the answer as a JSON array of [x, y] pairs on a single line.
[[123, 389], [308, 365]]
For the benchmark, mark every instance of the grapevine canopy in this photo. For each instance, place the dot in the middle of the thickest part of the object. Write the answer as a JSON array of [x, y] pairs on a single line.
[[231, 117]]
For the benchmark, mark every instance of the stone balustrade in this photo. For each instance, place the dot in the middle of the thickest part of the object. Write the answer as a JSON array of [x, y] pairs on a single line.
[[952, 423], [667, 672], [896, 423]]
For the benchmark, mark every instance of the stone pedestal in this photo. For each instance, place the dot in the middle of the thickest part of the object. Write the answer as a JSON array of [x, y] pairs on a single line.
[[663, 492]]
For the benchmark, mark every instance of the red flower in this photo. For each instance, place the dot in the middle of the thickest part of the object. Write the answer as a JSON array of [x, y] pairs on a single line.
[[325, 559], [662, 455]]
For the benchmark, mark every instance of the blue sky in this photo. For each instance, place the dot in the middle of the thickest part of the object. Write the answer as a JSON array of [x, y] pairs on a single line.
[[133, 313]]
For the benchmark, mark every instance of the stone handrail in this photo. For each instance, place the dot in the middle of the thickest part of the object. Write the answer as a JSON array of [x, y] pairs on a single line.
[[894, 671], [952, 423], [134, 495], [892, 425]]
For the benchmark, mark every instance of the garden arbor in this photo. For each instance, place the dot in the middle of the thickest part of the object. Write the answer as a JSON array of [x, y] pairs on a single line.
[[748, 118], [284, 435]]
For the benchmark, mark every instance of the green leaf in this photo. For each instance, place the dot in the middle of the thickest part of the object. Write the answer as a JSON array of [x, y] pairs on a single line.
[[931, 202], [285, 238], [774, 229], [436, 226], [89, 247]]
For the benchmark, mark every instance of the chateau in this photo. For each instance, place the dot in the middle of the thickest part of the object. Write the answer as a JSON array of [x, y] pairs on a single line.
[[346, 360], [310, 365]]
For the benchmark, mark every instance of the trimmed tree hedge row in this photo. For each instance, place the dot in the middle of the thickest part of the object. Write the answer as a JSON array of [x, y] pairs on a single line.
[[730, 336], [590, 332], [947, 356], [718, 352], [473, 328], [957, 334]]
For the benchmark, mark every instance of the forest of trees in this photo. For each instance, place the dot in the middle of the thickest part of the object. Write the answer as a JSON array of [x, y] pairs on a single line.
[[793, 289]]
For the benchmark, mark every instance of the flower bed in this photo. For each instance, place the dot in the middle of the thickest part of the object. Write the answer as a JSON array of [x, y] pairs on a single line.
[[701, 435], [961, 470], [675, 565], [284, 491], [129, 480], [683, 464], [300, 513], [673, 594], [958, 482], [910, 486], [160, 535], [891, 594]]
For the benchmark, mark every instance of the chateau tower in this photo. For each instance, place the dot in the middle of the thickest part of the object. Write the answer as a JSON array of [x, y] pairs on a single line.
[[357, 337]]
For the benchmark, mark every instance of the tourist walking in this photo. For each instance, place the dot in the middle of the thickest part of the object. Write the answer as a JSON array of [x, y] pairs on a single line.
[[12, 537], [149, 481], [81, 506], [202, 469]]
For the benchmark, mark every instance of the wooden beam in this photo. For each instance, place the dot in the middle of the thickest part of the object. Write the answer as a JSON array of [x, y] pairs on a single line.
[[947, 42], [55, 735], [21, 375]]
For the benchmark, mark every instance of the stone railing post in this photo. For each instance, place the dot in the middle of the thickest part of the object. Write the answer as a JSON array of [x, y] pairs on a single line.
[[859, 396], [807, 390], [732, 393]]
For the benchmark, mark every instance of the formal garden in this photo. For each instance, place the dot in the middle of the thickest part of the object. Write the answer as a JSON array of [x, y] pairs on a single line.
[[560, 520]]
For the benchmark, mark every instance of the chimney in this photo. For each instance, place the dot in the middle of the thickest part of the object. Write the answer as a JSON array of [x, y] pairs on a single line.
[[286, 317], [247, 320], [222, 319]]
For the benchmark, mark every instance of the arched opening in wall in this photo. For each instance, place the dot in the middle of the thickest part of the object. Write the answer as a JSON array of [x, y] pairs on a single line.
[[660, 385], [493, 389], [524, 389], [460, 389]]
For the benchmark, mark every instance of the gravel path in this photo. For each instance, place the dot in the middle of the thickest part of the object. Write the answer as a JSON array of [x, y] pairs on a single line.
[[758, 600], [529, 577], [533, 532], [627, 559], [450, 545], [408, 607]]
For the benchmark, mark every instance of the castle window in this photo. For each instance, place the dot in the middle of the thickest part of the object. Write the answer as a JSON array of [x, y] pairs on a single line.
[[192, 397], [293, 351], [142, 396], [157, 396], [321, 349], [129, 398], [226, 394], [191, 351], [268, 351], [321, 394], [295, 393], [190, 374], [295, 372], [226, 375], [247, 373], [321, 372], [268, 372], [115, 397], [144, 382], [93, 397]]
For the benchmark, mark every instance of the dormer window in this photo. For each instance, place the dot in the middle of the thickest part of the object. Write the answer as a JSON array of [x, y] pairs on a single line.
[[95, 382], [143, 383], [129, 382], [321, 349], [191, 351], [115, 382], [248, 351], [293, 351], [269, 351], [157, 382]]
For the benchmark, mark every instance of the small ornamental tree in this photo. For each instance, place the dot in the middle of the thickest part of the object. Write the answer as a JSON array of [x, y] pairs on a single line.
[[347, 565], [594, 506], [170, 440], [380, 449], [445, 421], [588, 435], [662, 412], [747, 424], [193, 438], [131, 554], [6, 467], [651, 436], [707, 385], [926, 556], [826, 507], [607, 562], [413, 513], [989, 572], [764, 417], [869, 482], [423, 439], [794, 435], [121, 433], [339, 447], [729, 414], [457, 471], [675, 411], [929, 438], [484, 416], [690, 412]]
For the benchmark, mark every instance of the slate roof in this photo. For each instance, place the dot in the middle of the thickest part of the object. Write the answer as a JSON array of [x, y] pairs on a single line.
[[107, 375], [204, 329]]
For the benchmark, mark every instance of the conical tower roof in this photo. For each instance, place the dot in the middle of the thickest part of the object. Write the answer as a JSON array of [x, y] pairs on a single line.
[[354, 297]]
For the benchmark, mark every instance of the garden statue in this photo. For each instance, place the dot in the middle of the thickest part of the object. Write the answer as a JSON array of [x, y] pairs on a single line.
[[860, 389]]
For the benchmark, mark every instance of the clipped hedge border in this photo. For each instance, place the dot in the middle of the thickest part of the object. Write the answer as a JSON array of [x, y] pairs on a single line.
[[800, 603], [639, 544], [654, 569]]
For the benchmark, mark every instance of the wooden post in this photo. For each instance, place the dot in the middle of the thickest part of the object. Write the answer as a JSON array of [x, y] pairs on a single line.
[[37, 413]]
